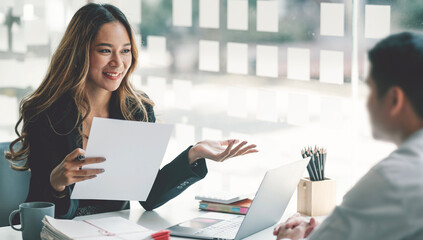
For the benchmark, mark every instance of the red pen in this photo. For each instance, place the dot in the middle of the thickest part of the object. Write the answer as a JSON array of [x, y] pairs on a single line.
[[161, 235]]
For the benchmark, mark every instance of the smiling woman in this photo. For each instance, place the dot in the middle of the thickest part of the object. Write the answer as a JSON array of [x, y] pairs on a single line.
[[110, 57], [88, 77]]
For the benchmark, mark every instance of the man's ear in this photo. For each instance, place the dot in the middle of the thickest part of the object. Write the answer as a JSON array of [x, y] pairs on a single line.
[[395, 98]]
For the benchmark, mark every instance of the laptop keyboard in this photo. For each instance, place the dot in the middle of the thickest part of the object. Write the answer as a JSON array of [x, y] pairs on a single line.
[[224, 229]]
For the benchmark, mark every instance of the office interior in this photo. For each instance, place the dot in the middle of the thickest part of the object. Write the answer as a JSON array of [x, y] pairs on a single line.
[[283, 74]]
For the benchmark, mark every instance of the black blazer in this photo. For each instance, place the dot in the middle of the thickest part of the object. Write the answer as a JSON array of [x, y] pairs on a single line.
[[48, 147]]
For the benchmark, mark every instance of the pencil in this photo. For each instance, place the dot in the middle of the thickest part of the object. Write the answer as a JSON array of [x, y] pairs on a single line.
[[317, 163], [314, 167], [324, 159], [309, 169]]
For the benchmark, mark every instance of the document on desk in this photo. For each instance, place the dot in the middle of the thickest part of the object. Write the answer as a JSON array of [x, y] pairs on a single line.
[[133, 151], [103, 228]]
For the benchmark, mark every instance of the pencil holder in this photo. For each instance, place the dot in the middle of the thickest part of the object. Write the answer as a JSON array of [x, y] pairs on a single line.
[[316, 198]]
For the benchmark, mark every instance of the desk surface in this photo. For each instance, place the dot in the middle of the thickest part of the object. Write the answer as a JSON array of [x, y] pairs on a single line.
[[175, 211]]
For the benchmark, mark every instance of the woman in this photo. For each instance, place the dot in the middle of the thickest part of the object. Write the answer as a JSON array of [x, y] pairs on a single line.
[[89, 77]]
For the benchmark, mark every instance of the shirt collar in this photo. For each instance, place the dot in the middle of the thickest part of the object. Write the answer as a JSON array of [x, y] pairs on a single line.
[[415, 137]]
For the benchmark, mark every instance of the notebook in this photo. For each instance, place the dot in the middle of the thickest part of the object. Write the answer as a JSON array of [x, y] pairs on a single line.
[[102, 228], [240, 207]]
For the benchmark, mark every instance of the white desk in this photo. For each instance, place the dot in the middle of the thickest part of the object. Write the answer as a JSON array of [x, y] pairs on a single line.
[[175, 211]]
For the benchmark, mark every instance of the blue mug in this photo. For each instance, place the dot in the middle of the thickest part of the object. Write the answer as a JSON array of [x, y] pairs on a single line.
[[31, 215]]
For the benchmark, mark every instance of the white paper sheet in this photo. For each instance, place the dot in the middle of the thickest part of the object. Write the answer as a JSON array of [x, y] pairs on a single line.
[[9, 105], [18, 7], [209, 56], [3, 37], [267, 109], [182, 94], [133, 151], [377, 21], [237, 102], [8, 77], [36, 32], [55, 15], [332, 19], [209, 14], [332, 67], [298, 109], [156, 88], [267, 16], [331, 112], [132, 9], [156, 47], [19, 39], [299, 64], [182, 13], [267, 61], [237, 15], [237, 58], [28, 12]]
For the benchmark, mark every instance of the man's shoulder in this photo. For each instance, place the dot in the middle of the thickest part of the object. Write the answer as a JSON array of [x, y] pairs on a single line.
[[402, 165], [390, 181]]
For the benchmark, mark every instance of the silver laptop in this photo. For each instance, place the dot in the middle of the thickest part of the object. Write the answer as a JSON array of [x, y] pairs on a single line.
[[267, 208]]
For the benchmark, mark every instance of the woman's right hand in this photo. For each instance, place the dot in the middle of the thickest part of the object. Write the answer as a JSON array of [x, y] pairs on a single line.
[[69, 170]]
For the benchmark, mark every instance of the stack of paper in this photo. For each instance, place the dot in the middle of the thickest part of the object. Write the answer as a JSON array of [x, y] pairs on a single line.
[[109, 228]]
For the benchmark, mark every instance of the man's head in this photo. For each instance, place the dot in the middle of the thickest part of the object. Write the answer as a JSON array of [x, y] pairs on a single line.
[[396, 83]]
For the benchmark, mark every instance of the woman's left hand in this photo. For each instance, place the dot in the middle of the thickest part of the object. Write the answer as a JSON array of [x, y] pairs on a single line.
[[219, 151]]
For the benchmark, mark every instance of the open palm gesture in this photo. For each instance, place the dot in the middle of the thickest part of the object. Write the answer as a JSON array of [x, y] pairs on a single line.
[[220, 151]]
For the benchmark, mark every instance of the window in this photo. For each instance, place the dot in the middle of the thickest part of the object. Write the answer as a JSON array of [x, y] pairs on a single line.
[[283, 74]]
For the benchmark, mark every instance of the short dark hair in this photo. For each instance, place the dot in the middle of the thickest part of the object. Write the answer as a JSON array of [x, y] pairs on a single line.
[[398, 61]]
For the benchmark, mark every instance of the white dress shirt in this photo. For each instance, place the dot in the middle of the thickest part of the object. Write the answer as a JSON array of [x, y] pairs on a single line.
[[387, 203]]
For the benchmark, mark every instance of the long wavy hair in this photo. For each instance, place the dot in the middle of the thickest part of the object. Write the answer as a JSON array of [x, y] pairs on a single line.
[[68, 72]]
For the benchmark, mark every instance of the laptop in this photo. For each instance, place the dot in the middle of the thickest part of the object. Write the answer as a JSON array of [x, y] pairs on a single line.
[[267, 208]]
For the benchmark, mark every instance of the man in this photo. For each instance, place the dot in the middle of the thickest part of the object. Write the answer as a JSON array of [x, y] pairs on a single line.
[[387, 203]]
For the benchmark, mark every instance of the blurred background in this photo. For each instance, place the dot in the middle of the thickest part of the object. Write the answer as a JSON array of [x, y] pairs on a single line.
[[283, 74]]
